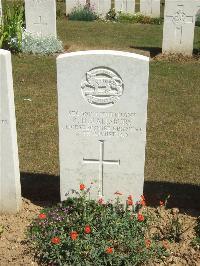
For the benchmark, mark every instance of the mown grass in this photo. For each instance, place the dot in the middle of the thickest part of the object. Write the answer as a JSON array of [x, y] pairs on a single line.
[[172, 153]]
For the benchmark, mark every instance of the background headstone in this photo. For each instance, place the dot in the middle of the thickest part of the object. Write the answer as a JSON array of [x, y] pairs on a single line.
[[41, 17], [70, 4], [10, 189], [0, 9], [127, 6], [102, 109], [101, 7], [179, 24], [150, 8]]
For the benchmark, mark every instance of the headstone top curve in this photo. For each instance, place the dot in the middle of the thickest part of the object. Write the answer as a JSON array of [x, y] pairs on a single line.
[[104, 52]]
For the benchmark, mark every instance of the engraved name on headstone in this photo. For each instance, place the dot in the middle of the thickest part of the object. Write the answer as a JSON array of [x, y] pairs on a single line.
[[41, 17], [102, 109], [10, 189]]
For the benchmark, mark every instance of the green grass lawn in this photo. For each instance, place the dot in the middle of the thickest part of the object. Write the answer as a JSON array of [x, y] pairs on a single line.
[[172, 153]]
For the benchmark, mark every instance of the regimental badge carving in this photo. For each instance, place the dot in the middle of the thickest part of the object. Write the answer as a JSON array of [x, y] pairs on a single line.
[[102, 87], [179, 18]]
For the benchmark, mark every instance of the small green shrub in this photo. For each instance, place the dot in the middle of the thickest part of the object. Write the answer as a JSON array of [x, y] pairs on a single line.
[[197, 23], [137, 18], [37, 44], [196, 241], [111, 15], [84, 13], [11, 27], [80, 231]]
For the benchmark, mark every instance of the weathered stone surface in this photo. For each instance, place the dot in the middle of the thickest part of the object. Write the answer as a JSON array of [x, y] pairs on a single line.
[[71, 4], [179, 24], [150, 8], [127, 6], [10, 189], [41, 17], [102, 108]]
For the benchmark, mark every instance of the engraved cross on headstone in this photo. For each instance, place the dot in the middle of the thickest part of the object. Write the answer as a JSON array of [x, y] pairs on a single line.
[[40, 22], [179, 19], [101, 163]]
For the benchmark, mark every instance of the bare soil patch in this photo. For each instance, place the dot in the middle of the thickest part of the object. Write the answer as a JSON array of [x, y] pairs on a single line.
[[14, 248]]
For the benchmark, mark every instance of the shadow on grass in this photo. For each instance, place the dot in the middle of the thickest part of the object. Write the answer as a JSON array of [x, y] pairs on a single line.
[[154, 51], [43, 190]]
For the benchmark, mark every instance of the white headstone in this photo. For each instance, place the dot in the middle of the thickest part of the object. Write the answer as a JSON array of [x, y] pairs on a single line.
[[101, 7], [0, 9], [179, 24], [10, 189], [102, 109], [71, 4], [41, 17], [150, 8], [127, 6]]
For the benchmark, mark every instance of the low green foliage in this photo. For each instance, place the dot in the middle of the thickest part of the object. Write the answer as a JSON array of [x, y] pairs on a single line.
[[84, 13], [37, 44], [111, 15], [137, 18], [81, 231], [11, 27], [196, 241]]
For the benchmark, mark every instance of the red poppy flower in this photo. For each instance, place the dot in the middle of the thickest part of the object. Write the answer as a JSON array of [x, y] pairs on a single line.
[[142, 202], [109, 250], [165, 244], [100, 200], [130, 197], [161, 203], [143, 198], [55, 240], [87, 229], [118, 193], [148, 243], [140, 217], [42, 216], [129, 202], [73, 235], [82, 186]]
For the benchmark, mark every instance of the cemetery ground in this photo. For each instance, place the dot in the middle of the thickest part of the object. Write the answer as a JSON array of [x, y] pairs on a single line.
[[172, 153]]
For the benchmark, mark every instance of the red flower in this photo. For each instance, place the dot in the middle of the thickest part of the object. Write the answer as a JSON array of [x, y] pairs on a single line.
[[87, 229], [130, 197], [73, 235], [161, 203], [148, 243], [109, 250], [100, 200], [143, 198], [118, 193], [140, 217], [165, 244], [130, 200], [55, 240], [82, 186], [42, 216]]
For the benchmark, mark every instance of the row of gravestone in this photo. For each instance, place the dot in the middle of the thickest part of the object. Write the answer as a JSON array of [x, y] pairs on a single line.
[[178, 30], [102, 7], [102, 113]]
